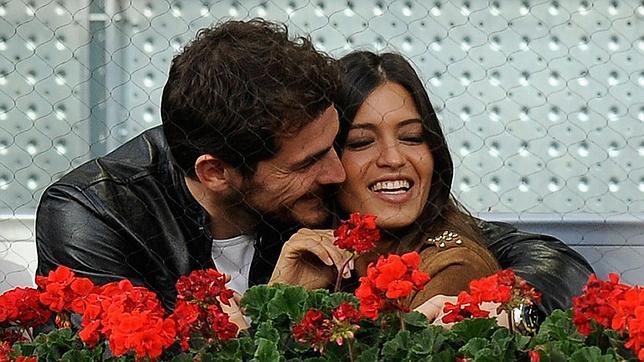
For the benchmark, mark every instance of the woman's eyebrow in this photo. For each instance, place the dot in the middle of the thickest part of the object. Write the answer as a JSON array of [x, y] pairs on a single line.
[[409, 121], [372, 126], [363, 126]]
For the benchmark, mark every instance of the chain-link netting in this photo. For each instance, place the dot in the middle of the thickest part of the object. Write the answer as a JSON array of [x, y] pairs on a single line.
[[541, 101]]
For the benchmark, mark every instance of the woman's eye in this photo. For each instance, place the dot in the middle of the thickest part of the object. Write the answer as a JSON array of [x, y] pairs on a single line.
[[358, 144], [413, 139]]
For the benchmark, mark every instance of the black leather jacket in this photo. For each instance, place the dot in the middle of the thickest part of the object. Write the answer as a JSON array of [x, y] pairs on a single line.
[[130, 215]]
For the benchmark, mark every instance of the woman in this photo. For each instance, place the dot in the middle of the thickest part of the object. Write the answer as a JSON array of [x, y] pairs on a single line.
[[398, 168]]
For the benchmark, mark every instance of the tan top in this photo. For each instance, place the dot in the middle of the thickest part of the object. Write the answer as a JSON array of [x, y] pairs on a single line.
[[452, 261]]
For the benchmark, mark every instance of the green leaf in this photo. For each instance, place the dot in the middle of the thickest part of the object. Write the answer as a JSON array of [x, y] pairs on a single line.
[[267, 331], [416, 319], [443, 356], [255, 301], [238, 349], [318, 299], [288, 301], [474, 327], [51, 346], [333, 300], [183, 357], [267, 351], [473, 346], [556, 327], [83, 354], [197, 342], [397, 347], [428, 341], [486, 355], [369, 355], [590, 354], [503, 345], [521, 341]]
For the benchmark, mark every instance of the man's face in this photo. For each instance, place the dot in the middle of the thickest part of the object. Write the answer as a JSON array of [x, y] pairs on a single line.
[[291, 186]]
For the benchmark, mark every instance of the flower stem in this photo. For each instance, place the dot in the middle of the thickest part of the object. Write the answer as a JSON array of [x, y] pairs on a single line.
[[338, 280], [402, 320], [350, 345]]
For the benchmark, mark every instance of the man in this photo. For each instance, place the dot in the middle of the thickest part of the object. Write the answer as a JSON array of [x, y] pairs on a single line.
[[248, 118]]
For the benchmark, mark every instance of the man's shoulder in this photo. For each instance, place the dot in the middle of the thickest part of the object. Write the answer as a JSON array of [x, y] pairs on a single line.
[[146, 155], [138, 173]]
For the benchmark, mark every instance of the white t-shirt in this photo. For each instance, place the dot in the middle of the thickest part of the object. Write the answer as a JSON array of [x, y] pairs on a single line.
[[233, 257]]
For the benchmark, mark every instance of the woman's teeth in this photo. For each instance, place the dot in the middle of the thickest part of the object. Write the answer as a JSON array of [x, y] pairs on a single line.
[[393, 187]]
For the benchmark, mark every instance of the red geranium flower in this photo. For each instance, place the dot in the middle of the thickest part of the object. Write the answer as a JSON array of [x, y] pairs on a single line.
[[635, 340], [370, 302], [625, 306], [26, 359], [388, 282], [534, 356], [22, 306], [11, 335], [503, 287], [185, 315], [143, 332], [358, 234], [5, 350], [346, 312], [345, 319], [313, 330], [220, 324], [597, 303], [495, 288], [130, 318], [63, 290], [467, 306], [198, 311], [207, 286]]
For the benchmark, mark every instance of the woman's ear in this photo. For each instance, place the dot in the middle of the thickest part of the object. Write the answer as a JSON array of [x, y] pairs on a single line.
[[214, 173]]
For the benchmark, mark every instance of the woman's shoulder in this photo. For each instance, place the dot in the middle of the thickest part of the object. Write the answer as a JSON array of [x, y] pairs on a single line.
[[449, 239], [449, 246]]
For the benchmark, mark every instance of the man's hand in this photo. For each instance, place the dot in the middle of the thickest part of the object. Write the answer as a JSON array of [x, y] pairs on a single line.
[[310, 259]]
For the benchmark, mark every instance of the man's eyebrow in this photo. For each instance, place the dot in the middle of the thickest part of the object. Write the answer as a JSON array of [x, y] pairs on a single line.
[[312, 158]]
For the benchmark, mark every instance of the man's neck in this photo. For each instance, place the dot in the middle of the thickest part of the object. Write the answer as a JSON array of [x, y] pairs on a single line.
[[225, 221]]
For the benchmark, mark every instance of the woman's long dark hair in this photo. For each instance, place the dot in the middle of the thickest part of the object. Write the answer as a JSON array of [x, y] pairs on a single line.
[[362, 72]]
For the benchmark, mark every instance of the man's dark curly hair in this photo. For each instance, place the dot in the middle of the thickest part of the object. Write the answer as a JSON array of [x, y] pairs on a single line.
[[238, 87]]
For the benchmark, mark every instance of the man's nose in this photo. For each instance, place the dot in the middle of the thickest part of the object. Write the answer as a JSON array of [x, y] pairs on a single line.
[[332, 172]]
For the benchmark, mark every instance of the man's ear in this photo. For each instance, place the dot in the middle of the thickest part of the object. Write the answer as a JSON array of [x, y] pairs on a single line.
[[215, 174]]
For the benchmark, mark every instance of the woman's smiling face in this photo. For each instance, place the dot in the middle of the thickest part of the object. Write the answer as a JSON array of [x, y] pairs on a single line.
[[387, 160]]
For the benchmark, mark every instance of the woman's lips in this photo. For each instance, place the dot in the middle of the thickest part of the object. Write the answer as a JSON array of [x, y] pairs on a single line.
[[394, 198]]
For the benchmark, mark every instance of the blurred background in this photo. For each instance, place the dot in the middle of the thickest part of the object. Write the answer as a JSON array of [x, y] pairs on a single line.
[[542, 101]]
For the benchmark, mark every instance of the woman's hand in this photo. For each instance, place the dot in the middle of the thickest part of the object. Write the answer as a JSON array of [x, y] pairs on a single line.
[[310, 259], [433, 310], [235, 313]]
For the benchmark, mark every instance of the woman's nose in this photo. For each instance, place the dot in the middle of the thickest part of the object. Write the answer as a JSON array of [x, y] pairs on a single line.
[[391, 156]]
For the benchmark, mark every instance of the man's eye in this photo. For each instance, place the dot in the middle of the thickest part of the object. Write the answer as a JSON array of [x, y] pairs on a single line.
[[358, 144], [306, 165]]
